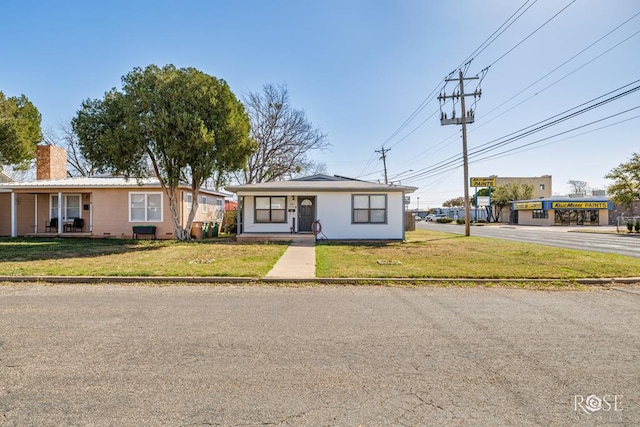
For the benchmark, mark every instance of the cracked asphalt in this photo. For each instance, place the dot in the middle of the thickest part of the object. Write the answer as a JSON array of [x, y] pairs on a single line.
[[318, 356]]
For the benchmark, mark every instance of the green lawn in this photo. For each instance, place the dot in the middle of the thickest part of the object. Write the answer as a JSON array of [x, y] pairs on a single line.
[[425, 254], [430, 254], [120, 257]]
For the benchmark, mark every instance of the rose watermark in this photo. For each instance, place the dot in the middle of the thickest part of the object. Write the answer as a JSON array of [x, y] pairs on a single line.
[[592, 403]]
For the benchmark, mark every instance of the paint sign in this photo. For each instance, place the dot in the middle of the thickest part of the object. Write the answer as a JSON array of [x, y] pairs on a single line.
[[580, 205], [483, 182], [527, 205]]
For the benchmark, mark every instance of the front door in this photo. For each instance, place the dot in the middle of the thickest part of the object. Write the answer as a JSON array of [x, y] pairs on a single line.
[[306, 213]]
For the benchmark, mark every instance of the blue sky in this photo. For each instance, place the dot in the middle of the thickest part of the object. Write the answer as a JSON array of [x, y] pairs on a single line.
[[360, 69]]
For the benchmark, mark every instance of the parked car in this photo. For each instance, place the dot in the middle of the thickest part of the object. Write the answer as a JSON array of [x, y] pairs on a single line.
[[434, 217], [417, 217]]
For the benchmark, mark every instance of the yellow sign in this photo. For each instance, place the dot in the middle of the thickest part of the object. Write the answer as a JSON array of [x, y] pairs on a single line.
[[527, 205], [483, 182], [580, 205]]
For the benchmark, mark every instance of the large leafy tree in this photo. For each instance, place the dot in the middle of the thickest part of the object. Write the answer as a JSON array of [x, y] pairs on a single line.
[[457, 202], [284, 136], [19, 131], [502, 195], [626, 182], [179, 125]]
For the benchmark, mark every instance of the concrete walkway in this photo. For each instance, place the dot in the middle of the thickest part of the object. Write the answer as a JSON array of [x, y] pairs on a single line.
[[297, 262]]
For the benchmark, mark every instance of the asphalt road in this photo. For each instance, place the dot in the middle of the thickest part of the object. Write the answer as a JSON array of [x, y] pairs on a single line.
[[563, 237], [317, 356]]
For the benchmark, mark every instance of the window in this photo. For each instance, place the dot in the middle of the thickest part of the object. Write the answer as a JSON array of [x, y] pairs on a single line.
[[145, 207], [540, 214], [220, 209], [203, 203], [369, 208], [270, 209], [70, 206]]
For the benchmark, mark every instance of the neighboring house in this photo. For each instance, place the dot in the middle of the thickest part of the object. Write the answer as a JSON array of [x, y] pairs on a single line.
[[341, 208], [107, 206], [230, 205]]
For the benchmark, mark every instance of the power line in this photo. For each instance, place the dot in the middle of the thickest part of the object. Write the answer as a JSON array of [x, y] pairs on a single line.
[[531, 34], [501, 104], [453, 166], [500, 155], [425, 102], [478, 50], [560, 133], [551, 122], [429, 98], [555, 82], [529, 130]]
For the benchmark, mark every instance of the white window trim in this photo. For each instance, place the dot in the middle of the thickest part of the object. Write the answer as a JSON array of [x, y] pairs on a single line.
[[369, 209], [203, 198], [147, 193], [64, 205]]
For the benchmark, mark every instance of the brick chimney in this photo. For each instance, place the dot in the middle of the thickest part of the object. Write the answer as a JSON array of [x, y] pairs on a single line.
[[51, 162]]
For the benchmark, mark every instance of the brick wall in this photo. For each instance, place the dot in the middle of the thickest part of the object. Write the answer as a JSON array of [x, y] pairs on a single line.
[[51, 162]]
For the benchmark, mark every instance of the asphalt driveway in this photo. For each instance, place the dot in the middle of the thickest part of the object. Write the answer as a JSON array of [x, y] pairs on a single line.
[[346, 356]]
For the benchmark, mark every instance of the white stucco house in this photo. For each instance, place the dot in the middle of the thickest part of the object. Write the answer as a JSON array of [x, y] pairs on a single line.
[[333, 207]]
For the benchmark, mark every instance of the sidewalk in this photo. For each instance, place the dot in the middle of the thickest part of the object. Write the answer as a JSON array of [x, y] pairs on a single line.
[[298, 262]]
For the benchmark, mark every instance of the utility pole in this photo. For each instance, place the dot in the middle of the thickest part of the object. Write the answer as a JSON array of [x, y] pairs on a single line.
[[465, 117], [383, 156]]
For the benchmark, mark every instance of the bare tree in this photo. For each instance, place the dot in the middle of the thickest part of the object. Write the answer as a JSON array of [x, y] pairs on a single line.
[[284, 135], [65, 137], [578, 187]]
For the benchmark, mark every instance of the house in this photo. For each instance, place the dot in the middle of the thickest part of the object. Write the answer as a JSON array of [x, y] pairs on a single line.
[[333, 207], [57, 205]]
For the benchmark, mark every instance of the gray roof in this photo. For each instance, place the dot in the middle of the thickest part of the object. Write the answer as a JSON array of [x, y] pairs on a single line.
[[91, 182], [4, 177], [320, 183]]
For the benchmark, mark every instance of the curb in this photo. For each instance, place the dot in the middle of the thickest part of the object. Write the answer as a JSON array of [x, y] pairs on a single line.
[[320, 280]]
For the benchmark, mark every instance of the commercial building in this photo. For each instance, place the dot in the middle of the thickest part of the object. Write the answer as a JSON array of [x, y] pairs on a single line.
[[562, 211]]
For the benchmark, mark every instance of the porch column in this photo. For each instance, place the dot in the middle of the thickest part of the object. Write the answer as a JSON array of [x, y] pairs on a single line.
[[240, 215], [14, 214], [60, 225], [35, 215], [91, 212]]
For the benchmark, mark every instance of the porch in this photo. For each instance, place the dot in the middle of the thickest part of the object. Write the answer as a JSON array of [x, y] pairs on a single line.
[[276, 237], [70, 234]]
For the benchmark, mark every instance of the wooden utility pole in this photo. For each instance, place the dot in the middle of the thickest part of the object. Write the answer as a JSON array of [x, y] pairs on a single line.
[[383, 156], [465, 117]]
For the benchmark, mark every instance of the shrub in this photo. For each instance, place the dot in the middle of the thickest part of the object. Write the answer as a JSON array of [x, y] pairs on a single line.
[[460, 221], [444, 220], [637, 226], [630, 226], [230, 224]]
